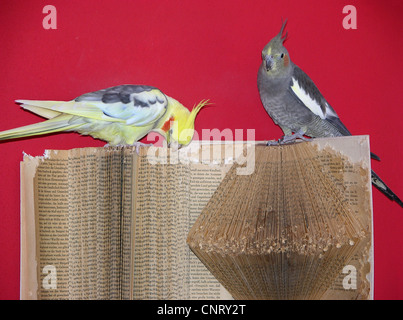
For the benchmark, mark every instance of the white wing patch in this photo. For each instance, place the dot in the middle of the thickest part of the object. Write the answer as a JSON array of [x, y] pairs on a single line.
[[143, 116], [330, 111], [156, 106], [310, 103], [145, 108]]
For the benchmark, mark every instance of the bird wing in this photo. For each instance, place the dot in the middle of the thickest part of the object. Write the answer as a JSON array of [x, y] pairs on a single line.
[[130, 104], [305, 92]]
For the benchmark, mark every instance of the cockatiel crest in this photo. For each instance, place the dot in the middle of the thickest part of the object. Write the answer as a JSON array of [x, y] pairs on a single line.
[[275, 55]]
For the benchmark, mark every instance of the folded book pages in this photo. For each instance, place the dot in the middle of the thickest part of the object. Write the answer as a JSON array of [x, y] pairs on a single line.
[[107, 223], [298, 227]]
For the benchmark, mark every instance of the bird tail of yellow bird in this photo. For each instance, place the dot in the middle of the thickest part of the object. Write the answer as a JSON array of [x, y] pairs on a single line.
[[57, 124]]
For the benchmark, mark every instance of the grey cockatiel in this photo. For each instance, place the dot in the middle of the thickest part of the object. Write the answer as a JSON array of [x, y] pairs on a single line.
[[295, 104]]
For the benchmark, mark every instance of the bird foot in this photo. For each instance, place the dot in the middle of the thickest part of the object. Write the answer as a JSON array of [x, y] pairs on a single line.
[[289, 139], [273, 143], [138, 145], [292, 138]]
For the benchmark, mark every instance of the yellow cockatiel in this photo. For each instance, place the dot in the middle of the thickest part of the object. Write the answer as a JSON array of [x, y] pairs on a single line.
[[120, 115]]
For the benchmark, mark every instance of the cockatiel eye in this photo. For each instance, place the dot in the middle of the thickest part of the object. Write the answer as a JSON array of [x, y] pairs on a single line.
[[282, 56]]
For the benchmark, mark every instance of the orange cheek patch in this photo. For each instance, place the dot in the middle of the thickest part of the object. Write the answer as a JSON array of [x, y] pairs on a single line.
[[167, 124], [286, 60]]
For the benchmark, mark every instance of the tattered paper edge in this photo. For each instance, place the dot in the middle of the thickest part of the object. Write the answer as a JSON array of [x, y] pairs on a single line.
[[30, 164], [358, 158]]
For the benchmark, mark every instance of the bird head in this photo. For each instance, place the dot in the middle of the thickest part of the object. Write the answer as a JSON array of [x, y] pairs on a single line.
[[179, 127], [276, 60]]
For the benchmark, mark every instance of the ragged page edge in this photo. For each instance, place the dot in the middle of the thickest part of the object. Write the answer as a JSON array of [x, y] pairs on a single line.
[[358, 153], [28, 169], [354, 150], [28, 264], [28, 238]]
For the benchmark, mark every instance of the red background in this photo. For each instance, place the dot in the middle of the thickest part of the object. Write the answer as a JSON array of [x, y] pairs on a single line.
[[193, 50]]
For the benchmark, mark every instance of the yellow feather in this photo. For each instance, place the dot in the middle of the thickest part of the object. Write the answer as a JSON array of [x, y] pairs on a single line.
[[115, 123], [182, 130], [46, 113], [84, 109], [57, 124]]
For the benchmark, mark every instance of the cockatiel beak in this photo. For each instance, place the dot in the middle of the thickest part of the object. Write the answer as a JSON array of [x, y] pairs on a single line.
[[268, 62]]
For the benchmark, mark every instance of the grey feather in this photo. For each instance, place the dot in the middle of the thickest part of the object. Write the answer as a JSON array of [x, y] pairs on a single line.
[[114, 94], [309, 86], [295, 103]]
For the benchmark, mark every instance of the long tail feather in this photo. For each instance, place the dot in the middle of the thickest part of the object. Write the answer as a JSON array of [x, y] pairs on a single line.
[[41, 108], [46, 113], [57, 124], [40, 103], [381, 186], [375, 157]]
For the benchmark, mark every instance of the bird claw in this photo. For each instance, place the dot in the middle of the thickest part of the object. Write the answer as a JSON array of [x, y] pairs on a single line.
[[140, 144], [114, 145], [288, 139], [136, 144], [273, 142], [292, 138]]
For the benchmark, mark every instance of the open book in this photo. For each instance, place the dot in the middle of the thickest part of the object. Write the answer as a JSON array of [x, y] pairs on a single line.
[[108, 223]]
